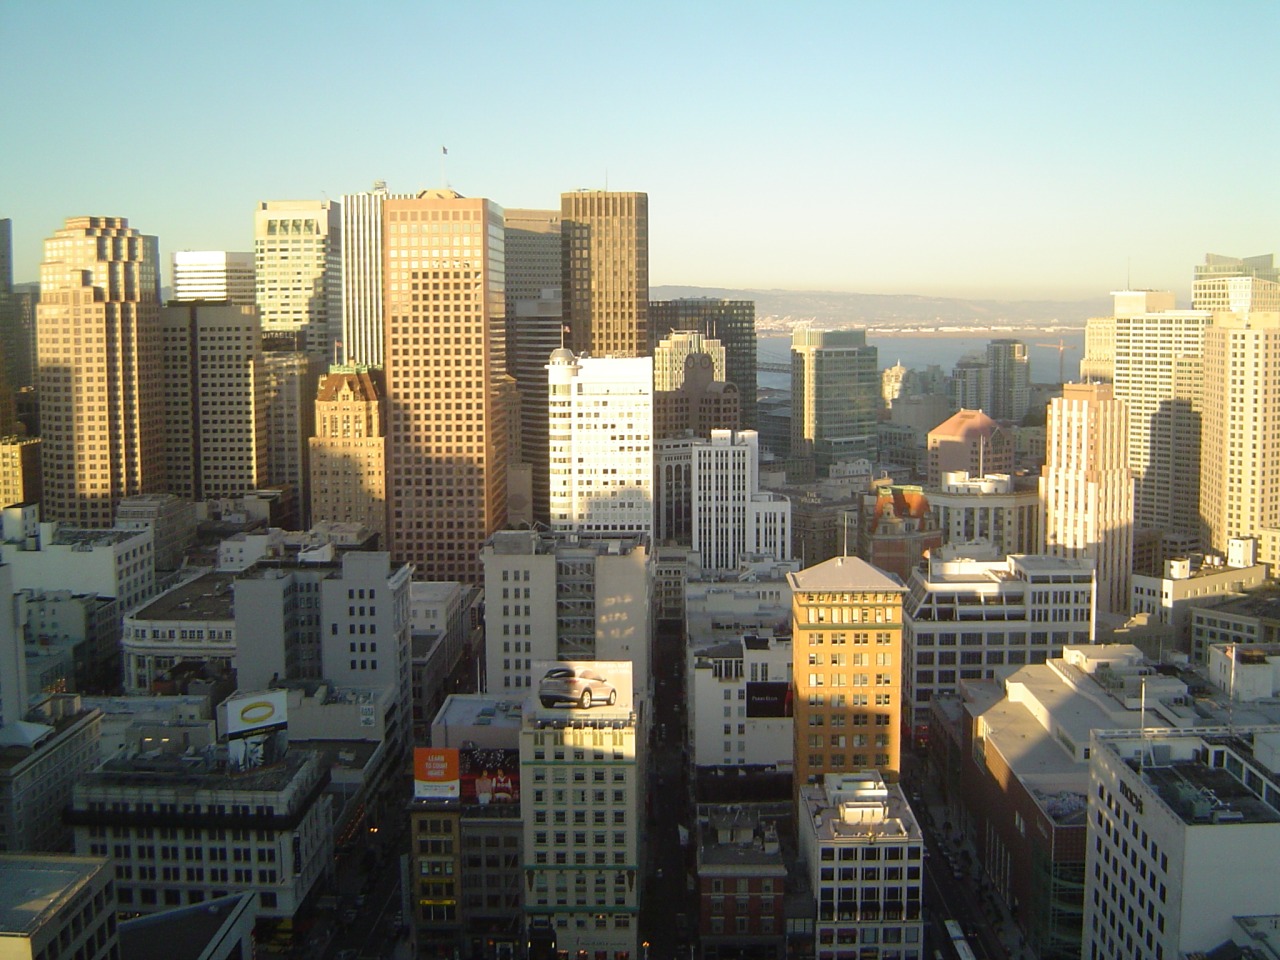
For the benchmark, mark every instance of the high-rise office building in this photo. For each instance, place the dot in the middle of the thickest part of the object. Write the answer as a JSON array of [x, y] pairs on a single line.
[[732, 322], [214, 400], [535, 327], [348, 452], [835, 391], [672, 353], [1236, 283], [605, 270], [1159, 376], [969, 386], [1087, 489], [290, 379], [448, 392], [297, 247], [8, 331], [968, 441], [601, 444], [363, 337], [1240, 443], [214, 275], [1009, 380], [846, 645], [709, 499], [101, 369], [1098, 364]]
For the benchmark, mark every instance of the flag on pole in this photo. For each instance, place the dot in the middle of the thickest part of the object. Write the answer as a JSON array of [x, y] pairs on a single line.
[[444, 151]]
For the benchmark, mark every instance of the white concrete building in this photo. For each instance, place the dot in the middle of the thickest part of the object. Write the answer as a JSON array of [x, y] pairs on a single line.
[[582, 803], [1183, 827], [993, 509], [964, 619], [1087, 489], [1159, 375], [1170, 598], [297, 246], [183, 830], [172, 523], [215, 275], [110, 563], [45, 754], [758, 600], [192, 621], [709, 498], [561, 596], [600, 431], [363, 337], [863, 852], [739, 703]]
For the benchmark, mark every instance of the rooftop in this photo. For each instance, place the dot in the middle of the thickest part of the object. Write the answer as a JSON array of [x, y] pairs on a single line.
[[208, 597], [33, 887], [471, 710], [845, 574], [184, 933]]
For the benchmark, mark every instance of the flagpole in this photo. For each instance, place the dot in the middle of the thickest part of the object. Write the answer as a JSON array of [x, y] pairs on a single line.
[[444, 179]]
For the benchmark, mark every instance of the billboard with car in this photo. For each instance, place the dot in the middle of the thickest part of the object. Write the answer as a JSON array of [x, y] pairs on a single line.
[[598, 689]]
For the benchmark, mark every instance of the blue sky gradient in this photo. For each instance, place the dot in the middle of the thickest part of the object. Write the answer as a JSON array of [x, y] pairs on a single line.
[[1014, 150]]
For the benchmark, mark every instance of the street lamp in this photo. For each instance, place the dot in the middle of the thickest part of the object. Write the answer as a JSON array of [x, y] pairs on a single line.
[[645, 947]]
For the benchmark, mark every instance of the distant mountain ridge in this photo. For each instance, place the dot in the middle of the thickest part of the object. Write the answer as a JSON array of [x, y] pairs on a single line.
[[885, 309]]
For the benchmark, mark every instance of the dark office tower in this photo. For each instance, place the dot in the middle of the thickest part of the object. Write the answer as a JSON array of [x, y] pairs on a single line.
[[448, 393], [605, 268], [8, 331], [535, 321], [1009, 373], [733, 323], [101, 369], [835, 391]]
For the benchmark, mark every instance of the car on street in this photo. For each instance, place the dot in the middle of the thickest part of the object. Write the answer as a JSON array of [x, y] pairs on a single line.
[[575, 686]]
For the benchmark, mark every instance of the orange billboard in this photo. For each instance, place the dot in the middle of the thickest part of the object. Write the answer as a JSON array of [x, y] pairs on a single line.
[[435, 773]]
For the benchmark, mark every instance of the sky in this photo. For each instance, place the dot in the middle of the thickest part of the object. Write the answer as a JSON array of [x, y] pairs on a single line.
[[1009, 150]]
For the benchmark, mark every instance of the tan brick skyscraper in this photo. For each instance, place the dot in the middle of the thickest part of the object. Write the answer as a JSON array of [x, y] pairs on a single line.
[[446, 379], [605, 239], [101, 388], [348, 452], [847, 669]]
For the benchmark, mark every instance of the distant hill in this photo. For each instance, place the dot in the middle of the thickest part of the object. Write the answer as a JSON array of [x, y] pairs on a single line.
[[834, 308]]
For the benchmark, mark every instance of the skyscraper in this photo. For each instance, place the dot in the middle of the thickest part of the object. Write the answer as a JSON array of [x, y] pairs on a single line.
[[447, 386], [605, 268], [601, 444], [732, 322], [1087, 489], [215, 400], [1009, 382], [363, 337], [1240, 445], [290, 379], [846, 653], [1159, 376], [835, 390], [348, 452], [101, 369], [214, 275], [297, 248], [535, 327], [1098, 365], [1236, 283]]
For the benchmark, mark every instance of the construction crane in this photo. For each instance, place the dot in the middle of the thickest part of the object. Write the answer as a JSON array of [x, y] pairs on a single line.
[[1062, 347]]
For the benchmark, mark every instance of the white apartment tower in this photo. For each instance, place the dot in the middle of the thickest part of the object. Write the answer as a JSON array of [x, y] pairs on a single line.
[[1159, 376], [297, 246], [363, 338], [215, 275], [1086, 487], [600, 427], [1240, 445]]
